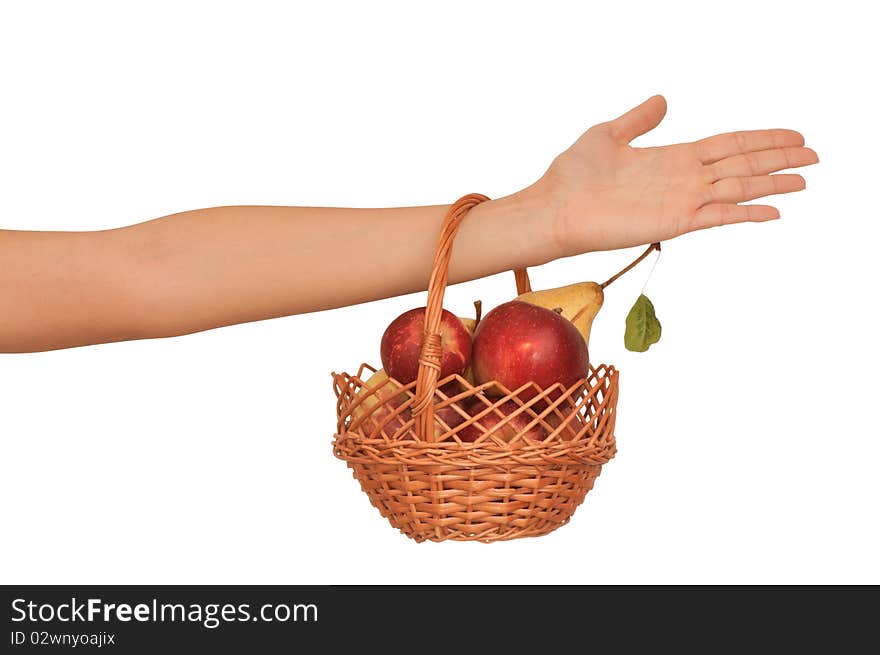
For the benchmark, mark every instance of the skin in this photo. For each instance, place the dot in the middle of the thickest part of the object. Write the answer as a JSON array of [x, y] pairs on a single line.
[[224, 265]]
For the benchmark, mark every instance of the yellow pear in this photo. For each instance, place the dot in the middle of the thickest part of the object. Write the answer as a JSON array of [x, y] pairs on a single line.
[[579, 303], [381, 396]]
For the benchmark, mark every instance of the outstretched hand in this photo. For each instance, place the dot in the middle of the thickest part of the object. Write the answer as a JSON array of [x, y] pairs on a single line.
[[606, 194]]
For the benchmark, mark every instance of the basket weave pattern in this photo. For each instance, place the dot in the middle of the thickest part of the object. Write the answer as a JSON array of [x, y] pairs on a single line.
[[431, 484]]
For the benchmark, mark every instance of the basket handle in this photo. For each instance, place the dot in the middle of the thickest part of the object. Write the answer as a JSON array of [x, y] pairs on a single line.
[[429, 358]]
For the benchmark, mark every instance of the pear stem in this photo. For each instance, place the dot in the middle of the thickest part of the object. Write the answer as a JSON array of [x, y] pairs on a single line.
[[651, 248], [478, 308]]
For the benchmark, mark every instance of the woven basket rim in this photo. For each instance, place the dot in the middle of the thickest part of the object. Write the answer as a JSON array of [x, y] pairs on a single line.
[[586, 449]]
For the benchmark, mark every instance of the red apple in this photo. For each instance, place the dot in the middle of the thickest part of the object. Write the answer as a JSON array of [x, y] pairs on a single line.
[[517, 343], [490, 423], [572, 426], [451, 388], [402, 343], [448, 415]]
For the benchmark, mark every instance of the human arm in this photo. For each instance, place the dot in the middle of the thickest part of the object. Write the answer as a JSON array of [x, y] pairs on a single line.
[[212, 267], [224, 265]]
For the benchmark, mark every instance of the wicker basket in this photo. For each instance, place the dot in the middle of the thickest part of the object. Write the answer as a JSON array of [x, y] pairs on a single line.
[[432, 485]]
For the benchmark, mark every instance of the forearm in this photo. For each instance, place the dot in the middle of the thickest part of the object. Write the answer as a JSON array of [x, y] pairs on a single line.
[[61, 289], [212, 267]]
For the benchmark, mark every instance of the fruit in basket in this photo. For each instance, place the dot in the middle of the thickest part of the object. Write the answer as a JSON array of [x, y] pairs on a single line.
[[518, 342], [470, 324], [376, 401], [450, 418], [491, 423], [402, 344], [455, 386], [570, 427], [579, 303], [374, 405]]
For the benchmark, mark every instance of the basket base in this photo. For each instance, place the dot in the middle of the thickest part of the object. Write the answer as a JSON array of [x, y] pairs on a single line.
[[433, 506]]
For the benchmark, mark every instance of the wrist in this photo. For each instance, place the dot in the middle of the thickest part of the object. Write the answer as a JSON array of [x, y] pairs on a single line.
[[529, 218]]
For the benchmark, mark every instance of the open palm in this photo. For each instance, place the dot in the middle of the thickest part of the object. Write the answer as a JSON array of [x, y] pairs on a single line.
[[608, 194]]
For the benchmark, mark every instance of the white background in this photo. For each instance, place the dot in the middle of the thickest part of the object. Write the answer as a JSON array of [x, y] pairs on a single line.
[[748, 436]]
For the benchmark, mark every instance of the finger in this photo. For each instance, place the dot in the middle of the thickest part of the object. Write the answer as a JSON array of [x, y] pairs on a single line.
[[720, 146], [740, 189], [725, 214], [761, 162], [639, 120]]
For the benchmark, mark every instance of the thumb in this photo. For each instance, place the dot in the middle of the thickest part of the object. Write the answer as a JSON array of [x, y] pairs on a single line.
[[639, 120]]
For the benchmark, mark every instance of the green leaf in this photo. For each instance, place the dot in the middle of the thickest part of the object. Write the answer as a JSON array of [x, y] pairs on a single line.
[[642, 326]]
